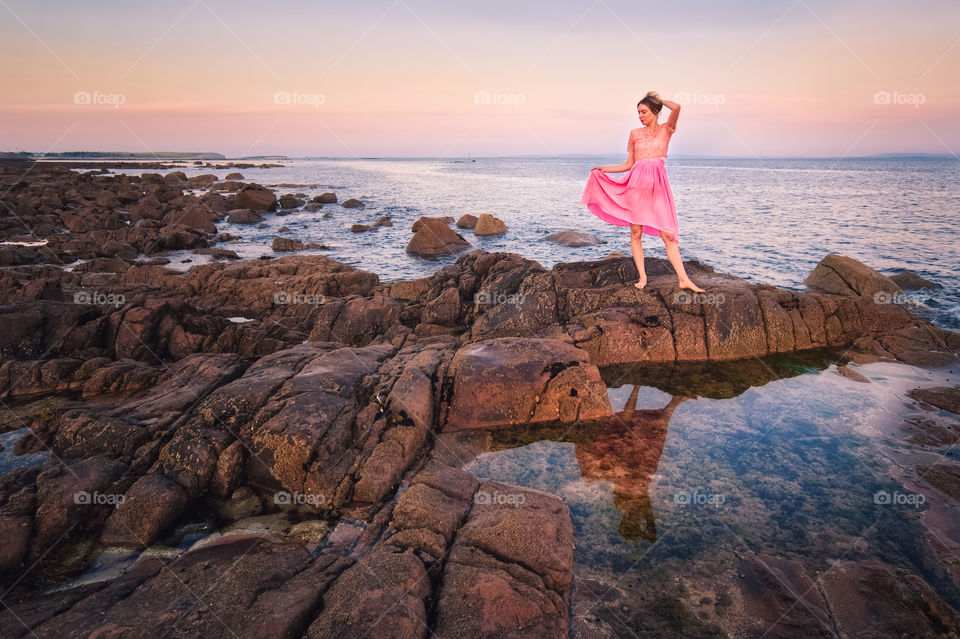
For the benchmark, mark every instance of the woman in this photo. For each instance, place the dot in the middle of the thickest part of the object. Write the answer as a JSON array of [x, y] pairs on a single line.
[[643, 201]]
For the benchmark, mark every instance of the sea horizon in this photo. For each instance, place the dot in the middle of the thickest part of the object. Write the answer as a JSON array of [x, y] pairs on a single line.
[[679, 156]]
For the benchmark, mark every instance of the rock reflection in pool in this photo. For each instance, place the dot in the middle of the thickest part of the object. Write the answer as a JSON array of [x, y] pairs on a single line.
[[793, 455]]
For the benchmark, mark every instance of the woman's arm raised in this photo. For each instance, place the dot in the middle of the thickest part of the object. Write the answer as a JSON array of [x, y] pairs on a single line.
[[674, 113]]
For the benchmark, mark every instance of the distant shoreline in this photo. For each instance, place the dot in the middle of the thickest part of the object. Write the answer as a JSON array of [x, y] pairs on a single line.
[[216, 157]]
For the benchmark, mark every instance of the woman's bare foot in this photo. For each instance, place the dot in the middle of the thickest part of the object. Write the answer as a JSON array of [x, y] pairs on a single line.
[[641, 282], [690, 285]]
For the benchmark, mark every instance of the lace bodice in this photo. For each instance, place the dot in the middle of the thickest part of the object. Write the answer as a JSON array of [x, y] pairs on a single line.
[[647, 144]]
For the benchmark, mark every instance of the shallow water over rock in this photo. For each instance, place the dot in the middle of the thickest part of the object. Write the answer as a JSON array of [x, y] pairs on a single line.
[[9, 461], [753, 496]]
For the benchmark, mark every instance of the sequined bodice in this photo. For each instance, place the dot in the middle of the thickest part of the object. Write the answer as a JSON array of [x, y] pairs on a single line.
[[647, 144]]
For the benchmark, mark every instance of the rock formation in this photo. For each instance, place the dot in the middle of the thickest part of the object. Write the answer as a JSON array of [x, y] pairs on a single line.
[[304, 385]]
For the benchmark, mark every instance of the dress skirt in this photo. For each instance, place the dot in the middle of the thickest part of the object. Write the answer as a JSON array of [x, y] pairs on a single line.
[[642, 197]]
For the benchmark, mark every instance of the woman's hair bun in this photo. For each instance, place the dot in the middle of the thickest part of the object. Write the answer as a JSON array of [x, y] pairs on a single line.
[[653, 102]]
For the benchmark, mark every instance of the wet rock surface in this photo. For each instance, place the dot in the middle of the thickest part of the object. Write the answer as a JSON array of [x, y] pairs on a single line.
[[302, 387]]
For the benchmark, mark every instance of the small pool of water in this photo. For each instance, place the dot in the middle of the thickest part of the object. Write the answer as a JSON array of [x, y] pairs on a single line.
[[10, 462], [706, 467]]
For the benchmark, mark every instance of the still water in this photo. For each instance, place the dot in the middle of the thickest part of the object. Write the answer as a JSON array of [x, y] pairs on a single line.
[[711, 478]]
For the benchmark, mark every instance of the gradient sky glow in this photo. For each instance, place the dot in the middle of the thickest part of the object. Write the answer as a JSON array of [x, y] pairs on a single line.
[[409, 78]]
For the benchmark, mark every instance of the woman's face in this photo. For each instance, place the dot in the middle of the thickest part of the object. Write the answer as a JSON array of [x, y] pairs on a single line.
[[647, 116]]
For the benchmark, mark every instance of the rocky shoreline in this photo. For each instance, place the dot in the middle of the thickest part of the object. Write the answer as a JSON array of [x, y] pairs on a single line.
[[304, 388]]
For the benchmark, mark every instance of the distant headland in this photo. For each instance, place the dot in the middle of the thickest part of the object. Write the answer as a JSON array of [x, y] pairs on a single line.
[[123, 155]]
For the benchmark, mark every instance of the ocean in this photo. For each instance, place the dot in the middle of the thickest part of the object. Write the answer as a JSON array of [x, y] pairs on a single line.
[[767, 220]]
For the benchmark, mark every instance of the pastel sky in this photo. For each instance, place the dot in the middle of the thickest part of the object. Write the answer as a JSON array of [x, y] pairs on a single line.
[[435, 78]]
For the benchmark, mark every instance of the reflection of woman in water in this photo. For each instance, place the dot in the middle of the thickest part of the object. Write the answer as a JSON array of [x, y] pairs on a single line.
[[626, 453]]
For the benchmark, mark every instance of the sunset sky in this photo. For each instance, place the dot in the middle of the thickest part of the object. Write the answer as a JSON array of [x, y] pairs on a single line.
[[410, 78]]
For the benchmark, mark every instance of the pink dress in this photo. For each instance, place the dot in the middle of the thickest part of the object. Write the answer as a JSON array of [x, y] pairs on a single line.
[[644, 196]]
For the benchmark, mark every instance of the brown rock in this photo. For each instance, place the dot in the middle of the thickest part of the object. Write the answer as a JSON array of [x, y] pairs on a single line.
[[613, 336], [433, 238], [148, 508], [849, 373], [243, 216], [530, 311], [286, 244], [121, 250], [256, 198], [303, 440], [103, 265], [352, 203], [16, 532], [39, 377], [182, 384], [489, 225], [734, 324], [424, 507], [446, 308], [228, 185], [195, 217], [207, 179], [120, 379], [912, 281], [843, 275], [107, 200], [944, 476], [879, 600], [176, 237], [467, 221], [943, 397], [228, 473], [253, 285], [409, 408], [423, 219], [510, 569], [290, 202], [382, 596], [72, 498], [357, 321], [574, 238], [251, 588], [509, 381], [217, 253], [931, 432]]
